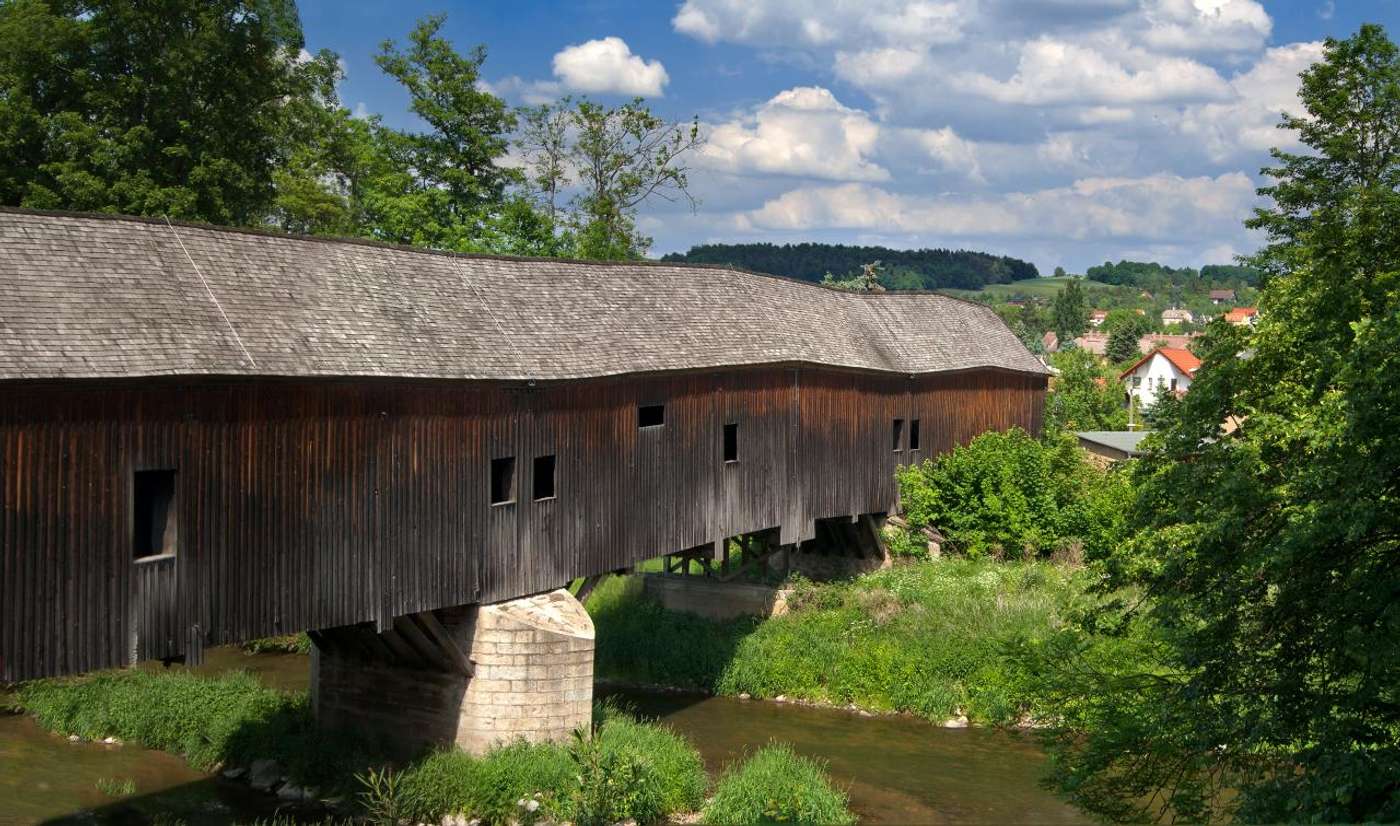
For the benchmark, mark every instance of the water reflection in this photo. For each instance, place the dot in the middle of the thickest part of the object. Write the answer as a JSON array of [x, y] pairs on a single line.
[[897, 770]]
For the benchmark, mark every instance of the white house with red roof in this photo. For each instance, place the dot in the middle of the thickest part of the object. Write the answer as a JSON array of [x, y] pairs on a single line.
[[1165, 368]]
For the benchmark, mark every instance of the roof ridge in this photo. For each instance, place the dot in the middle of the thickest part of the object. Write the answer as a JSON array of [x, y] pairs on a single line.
[[372, 243]]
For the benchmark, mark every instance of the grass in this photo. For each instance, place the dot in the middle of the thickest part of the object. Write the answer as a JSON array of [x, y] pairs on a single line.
[[928, 638], [298, 643], [116, 787], [776, 785], [1031, 287], [629, 770], [230, 719]]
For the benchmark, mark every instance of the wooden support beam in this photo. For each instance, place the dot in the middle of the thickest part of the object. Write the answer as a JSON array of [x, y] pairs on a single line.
[[434, 630]]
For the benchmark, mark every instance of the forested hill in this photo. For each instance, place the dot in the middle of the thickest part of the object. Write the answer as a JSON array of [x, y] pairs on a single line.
[[903, 269]]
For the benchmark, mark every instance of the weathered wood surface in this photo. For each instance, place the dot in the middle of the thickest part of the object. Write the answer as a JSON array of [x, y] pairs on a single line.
[[321, 503]]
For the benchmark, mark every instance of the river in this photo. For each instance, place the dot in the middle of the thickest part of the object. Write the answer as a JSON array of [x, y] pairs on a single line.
[[896, 770]]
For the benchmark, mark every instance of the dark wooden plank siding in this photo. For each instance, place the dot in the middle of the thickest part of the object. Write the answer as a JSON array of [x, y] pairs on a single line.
[[314, 504]]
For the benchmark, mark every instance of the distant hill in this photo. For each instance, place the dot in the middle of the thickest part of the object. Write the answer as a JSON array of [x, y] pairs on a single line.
[[904, 269]]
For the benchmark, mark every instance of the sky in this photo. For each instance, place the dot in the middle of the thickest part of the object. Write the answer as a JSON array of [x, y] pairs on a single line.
[[1064, 132]]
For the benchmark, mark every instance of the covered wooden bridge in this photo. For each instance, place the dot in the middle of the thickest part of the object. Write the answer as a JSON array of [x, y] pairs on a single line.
[[210, 435]]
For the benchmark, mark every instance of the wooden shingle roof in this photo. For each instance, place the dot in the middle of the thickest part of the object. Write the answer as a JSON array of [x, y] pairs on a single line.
[[98, 296]]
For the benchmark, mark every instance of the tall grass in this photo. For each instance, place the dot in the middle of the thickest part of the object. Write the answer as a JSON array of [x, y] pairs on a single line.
[[776, 785], [628, 770], [929, 638]]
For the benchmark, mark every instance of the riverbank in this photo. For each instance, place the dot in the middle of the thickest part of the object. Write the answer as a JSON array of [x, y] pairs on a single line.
[[929, 638], [234, 726]]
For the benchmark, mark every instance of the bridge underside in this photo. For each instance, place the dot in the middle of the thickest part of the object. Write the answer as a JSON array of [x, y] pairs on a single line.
[[467, 677]]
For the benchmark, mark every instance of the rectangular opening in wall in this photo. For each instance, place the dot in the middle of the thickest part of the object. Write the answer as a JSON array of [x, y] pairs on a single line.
[[651, 415], [731, 443], [913, 434], [154, 531], [898, 434], [542, 482], [503, 480]]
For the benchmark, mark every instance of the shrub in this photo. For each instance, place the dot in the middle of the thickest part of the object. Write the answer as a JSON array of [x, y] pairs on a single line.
[[670, 761], [1007, 494], [776, 785]]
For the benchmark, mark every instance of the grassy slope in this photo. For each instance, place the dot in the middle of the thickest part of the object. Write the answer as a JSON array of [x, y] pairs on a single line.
[[1038, 287], [928, 638]]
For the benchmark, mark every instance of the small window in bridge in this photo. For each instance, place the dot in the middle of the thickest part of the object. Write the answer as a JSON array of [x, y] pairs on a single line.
[[913, 434], [153, 517], [731, 443], [898, 433], [543, 482], [651, 415], [503, 480]]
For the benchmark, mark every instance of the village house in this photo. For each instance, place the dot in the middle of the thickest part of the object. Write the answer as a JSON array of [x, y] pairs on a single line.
[[1166, 368], [1177, 316], [1050, 341], [1097, 318], [1105, 447], [1096, 343], [1242, 316], [1222, 296], [1152, 341]]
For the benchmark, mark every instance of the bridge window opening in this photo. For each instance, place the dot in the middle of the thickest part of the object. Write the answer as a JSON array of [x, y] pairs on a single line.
[[543, 481], [731, 442], [913, 435], [153, 517], [651, 415], [503, 480], [898, 435]]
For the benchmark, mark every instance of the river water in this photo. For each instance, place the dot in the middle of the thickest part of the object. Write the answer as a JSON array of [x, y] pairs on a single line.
[[896, 770]]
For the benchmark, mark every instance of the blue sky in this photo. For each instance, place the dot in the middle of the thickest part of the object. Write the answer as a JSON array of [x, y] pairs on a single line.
[[1067, 132]]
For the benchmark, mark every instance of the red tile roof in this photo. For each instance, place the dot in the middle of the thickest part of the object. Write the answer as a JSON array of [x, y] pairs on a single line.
[[1183, 360], [1240, 314]]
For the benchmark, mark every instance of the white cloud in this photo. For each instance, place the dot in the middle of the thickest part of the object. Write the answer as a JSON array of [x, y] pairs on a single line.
[[1154, 207], [1206, 25], [805, 132], [952, 152], [1249, 121], [607, 65], [1056, 72], [803, 23]]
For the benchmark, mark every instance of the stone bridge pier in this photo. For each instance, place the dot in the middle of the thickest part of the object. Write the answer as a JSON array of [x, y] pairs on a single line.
[[471, 676]]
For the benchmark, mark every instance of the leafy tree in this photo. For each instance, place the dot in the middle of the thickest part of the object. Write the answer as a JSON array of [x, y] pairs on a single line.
[[1059, 272], [614, 159], [440, 187], [1084, 396], [624, 157], [1008, 494], [1125, 328], [1071, 313], [1269, 556], [173, 107]]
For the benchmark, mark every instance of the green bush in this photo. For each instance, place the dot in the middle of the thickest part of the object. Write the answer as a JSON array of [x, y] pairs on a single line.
[[298, 643], [1008, 495], [776, 785]]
